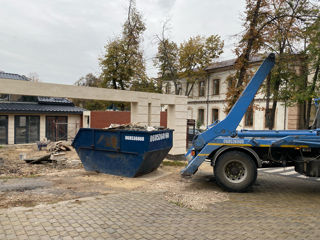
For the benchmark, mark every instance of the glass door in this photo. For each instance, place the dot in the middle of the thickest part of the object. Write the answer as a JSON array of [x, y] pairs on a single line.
[[27, 129], [3, 129], [57, 128]]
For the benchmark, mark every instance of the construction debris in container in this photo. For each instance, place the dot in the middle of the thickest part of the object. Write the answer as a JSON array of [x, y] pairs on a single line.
[[135, 127]]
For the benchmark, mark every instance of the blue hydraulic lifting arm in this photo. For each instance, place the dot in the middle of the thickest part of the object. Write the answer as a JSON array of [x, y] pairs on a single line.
[[227, 127]]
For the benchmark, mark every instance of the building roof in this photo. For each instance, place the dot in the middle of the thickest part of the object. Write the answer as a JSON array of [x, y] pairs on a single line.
[[13, 76], [14, 107], [43, 104], [54, 101], [231, 62]]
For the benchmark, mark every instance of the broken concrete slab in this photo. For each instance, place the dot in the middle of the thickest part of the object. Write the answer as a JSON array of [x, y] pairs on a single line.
[[44, 158]]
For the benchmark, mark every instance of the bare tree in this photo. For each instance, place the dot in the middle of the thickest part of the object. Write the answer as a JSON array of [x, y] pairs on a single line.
[[34, 77]]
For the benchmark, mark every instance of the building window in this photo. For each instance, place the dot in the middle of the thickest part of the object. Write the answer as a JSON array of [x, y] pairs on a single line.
[[248, 117], [216, 87], [3, 129], [57, 128], [200, 117], [201, 89], [215, 115], [27, 129]]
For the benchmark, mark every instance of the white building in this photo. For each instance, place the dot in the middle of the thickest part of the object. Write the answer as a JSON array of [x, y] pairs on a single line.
[[207, 100]]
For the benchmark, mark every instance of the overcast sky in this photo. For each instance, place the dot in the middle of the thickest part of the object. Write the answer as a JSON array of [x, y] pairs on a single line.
[[61, 40]]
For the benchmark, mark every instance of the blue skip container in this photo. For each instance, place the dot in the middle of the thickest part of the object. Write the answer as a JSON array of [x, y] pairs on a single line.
[[128, 153]]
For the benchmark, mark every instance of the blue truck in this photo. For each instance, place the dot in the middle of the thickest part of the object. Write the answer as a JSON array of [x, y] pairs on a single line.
[[236, 155]]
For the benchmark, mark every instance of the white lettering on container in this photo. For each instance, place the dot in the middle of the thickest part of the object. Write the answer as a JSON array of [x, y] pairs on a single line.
[[134, 138], [158, 137], [234, 141]]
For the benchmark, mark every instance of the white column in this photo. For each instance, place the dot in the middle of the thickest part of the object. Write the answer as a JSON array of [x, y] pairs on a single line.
[[147, 110], [86, 121], [42, 127], [177, 120], [155, 112], [11, 129], [139, 112]]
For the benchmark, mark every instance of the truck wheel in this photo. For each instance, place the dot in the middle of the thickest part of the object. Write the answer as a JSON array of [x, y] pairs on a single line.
[[235, 171]]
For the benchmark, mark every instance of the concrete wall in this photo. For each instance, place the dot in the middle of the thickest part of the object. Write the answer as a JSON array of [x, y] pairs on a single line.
[[294, 117], [18, 87], [145, 107], [177, 116], [163, 119], [102, 119], [73, 126], [86, 119]]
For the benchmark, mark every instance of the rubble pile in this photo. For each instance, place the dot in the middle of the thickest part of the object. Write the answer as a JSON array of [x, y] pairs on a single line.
[[55, 154], [135, 127], [55, 147]]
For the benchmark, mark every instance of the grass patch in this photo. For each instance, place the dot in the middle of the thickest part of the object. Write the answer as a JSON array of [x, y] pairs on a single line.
[[25, 203], [14, 177], [174, 163], [180, 204]]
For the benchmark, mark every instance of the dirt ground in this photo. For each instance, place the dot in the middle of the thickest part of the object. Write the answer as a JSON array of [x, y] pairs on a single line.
[[12, 166], [23, 184]]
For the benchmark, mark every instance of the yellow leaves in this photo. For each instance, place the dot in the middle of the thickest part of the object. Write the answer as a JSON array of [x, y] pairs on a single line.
[[167, 59], [123, 61], [189, 60], [197, 52]]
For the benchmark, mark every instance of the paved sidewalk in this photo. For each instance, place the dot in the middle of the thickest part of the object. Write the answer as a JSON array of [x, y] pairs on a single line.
[[287, 171], [277, 208]]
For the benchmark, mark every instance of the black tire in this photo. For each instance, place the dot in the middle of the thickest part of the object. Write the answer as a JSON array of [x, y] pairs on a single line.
[[235, 171]]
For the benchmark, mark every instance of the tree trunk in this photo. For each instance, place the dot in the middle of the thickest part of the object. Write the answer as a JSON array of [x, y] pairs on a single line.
[[176, 92], [114, 83], [305, 103], [121, 85], [314, 80], [187, 88], [273, 113], [244, 58], [188, 93], [248, 49], [275, 100], [267, 112], [277, 83]]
